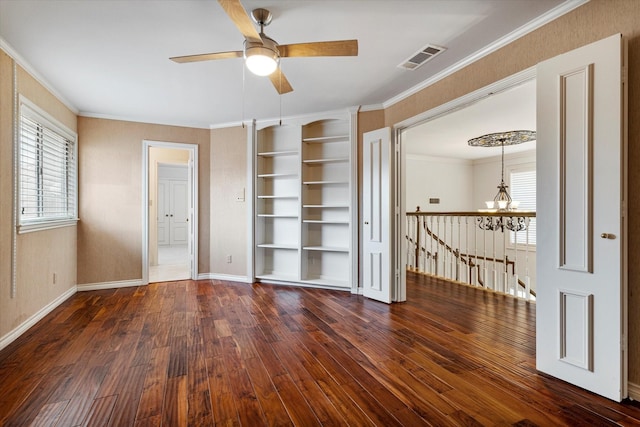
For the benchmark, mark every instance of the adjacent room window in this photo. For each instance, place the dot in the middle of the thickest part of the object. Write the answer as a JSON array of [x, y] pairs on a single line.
[[47, 171], [523, 189]]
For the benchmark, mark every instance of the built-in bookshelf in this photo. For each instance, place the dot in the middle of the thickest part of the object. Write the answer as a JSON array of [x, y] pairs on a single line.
[[304, 212], [278, 202]]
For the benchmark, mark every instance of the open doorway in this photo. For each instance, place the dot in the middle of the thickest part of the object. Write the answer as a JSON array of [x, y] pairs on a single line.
[[443, 176], [170, 222]]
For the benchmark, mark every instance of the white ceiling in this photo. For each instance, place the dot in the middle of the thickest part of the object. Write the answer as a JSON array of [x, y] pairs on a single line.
[[109, 58], [447, 136]]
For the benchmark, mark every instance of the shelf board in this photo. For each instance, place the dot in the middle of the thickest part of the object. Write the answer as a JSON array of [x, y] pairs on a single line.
[[277, 216], [338, 283], [322, 139], [325, 221], [278, 153], [312, 162], [276, 175], [328, 205], [277, 246], [276, 197], [324, 182], [277, 277], [325, 248]]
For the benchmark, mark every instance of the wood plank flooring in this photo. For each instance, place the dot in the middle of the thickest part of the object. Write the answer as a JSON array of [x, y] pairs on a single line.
[[213, 353]]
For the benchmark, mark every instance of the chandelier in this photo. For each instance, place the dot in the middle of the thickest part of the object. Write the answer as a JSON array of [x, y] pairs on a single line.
[[503, 200]]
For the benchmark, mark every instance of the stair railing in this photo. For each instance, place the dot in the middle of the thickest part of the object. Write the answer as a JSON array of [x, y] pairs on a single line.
[[494, 250]]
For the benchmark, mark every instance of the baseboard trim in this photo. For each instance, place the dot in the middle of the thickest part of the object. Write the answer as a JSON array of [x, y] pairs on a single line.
[[109, 285], [633, 390], [226, 277], [14, 334]]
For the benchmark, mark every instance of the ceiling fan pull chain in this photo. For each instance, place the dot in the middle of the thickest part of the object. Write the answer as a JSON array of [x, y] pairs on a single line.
[[279, 94], [243, 95]]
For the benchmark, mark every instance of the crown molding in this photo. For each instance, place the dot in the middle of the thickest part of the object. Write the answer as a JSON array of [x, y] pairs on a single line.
[[371, 107], [143, 120], [24, 64]]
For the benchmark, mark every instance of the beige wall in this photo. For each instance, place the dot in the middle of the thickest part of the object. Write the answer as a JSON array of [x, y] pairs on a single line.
[[229, 231], [590, 22], [39, 254], [110, 228]]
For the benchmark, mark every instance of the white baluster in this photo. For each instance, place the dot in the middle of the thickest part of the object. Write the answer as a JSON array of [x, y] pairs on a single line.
[[527, 279], [505, 275]]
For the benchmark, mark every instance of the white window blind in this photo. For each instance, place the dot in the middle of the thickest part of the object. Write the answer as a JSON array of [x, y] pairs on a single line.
[[523, 190], [47, 170]]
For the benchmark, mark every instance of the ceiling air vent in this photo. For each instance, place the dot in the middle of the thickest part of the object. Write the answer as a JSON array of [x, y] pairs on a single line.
[[422, 56]]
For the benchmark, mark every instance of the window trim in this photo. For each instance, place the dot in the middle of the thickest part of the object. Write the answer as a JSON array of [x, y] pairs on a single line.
[[520, 167], [31, 110]]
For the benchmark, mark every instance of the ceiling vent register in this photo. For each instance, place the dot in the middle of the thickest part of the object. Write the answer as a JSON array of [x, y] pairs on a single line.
[[423, 55]]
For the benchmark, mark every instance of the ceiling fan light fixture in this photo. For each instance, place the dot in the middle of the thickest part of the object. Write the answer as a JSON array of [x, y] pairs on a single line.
[[261, 60]]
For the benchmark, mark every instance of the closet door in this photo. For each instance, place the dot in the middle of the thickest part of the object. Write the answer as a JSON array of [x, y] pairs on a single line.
[[173, 212], [178, 213]]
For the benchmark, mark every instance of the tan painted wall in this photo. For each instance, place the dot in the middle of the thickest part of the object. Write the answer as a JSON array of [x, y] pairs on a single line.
[[110, 229], [590, 22], [40, 254], [229, 231]]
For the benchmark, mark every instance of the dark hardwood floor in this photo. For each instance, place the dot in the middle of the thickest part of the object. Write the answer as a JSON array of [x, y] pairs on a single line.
[[217, 353]]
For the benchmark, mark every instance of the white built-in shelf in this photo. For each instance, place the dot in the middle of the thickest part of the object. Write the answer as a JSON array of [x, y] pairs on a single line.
[[277, 277], [305, 165], [324, 182], [276, 175], [277, 246], [312, 162], [328, 205], [326, 282], [325, 248], [278, 153], [325, 221], [322, 139], [276, 197]]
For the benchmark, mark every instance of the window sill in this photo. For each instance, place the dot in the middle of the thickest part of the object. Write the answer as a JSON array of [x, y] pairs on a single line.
[[46, 225], [522, 247]]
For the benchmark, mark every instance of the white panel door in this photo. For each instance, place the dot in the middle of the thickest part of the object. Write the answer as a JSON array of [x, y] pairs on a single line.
[[581, 233], [173, 212], [178, 213], [377, 211]]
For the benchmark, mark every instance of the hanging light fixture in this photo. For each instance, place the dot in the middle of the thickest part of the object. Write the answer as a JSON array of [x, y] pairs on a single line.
[[261, 58], [503, 200]]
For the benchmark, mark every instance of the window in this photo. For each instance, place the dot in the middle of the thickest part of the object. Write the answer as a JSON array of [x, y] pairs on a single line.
[[47, 171], [523, 190]]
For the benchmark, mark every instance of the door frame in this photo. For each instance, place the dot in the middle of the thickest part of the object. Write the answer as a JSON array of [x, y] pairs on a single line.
[[193, 193], [399, 177]]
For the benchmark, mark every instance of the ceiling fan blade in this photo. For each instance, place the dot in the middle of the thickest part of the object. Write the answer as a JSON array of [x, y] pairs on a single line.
[[207, 56], [280, 82], [335, 48], [240, 17]]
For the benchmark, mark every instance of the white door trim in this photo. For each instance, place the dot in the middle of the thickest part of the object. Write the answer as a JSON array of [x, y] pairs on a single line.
[[400, 178], [193, 191]]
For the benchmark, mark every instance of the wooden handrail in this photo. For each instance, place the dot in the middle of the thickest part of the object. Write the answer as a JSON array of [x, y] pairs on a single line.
[[524, 214]]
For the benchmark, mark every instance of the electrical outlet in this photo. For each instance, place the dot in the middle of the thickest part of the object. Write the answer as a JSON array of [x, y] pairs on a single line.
[[54, 278], [228, 259]]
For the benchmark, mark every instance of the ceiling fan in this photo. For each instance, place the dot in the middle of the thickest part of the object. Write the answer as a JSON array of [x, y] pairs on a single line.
[[262, 54]]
